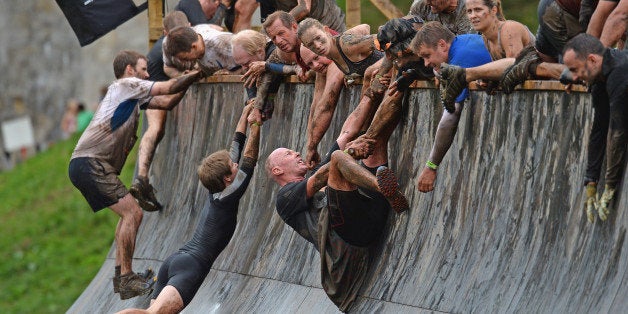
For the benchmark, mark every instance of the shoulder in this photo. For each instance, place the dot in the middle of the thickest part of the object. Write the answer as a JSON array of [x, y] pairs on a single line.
[[362, 29], [514, 26]]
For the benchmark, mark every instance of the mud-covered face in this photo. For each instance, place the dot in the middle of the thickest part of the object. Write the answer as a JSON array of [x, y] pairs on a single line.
[[315, 62], [285, 38], [480, 15], [244, 59], [317, 40]]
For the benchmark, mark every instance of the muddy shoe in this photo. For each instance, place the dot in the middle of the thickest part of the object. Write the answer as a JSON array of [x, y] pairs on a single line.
[[453, 81], [518, 72], [132, 285], [389, 187], [146, 274], [144, 193]]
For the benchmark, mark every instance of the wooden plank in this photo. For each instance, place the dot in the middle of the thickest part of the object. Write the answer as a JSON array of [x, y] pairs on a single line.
[[387, 8], [354, 14], [155, 20]]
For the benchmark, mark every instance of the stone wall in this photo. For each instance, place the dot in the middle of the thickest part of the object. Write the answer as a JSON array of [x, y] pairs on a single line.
[[43, 64]]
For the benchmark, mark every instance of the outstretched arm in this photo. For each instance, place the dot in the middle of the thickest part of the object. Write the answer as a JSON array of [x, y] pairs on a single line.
[[322, 111], [387, 112], [251, 150], [317, 181], [165, 102], [444, 137], [175, 85]]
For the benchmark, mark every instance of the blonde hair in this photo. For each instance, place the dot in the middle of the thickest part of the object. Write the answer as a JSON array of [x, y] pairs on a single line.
[[251, 41]]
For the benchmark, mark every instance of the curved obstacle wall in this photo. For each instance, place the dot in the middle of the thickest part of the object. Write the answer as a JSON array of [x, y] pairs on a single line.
[[504, 230]]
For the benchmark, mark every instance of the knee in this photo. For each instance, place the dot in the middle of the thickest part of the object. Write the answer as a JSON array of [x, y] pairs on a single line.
[[337, 155], [245, 7], [135, 216]]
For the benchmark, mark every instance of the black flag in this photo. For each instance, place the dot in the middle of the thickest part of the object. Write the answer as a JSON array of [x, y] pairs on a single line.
[[91, 19]]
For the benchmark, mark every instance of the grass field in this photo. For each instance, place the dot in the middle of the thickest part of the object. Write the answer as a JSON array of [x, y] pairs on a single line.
[[518, 10], [52, 244]]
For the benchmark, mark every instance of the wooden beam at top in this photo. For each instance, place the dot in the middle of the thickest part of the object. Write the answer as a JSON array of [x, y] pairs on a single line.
[[155, 20], [387, 8], [354, 16]]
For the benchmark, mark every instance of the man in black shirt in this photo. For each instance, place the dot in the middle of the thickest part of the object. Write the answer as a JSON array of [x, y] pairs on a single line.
[[344, 219], [183, 273], [607, 69]]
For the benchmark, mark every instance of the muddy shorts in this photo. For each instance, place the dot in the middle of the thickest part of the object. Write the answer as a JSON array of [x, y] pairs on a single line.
[[184, 272], [359, 216], [343, 266], [556, 28], [97, 181]]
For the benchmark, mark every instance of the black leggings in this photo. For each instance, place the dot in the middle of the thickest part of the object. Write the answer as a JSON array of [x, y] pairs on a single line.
[[184, 272]]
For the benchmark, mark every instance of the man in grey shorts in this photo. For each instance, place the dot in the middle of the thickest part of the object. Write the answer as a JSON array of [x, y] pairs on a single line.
[[104, 146]]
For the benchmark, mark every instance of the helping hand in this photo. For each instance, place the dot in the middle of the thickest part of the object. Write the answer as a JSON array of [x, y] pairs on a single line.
[[312, 158], [426, 180], [255, 117], [361, 147]]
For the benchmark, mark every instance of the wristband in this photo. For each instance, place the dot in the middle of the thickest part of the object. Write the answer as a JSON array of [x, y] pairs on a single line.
[[274, 67], [431, 165]]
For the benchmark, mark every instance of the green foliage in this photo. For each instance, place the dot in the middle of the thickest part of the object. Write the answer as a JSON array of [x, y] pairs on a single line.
[[52, 244], [518, 10]]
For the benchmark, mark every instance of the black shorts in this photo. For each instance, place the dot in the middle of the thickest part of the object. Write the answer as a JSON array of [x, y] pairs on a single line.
[[184, 272], [357, 216], [97, 181]]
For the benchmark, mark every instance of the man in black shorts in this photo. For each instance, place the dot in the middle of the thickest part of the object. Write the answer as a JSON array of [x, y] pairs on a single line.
[[346, 218], [183, 273], [104, 146]]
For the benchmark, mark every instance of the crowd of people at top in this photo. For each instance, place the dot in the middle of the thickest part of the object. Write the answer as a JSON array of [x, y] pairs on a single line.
[[340, 201]]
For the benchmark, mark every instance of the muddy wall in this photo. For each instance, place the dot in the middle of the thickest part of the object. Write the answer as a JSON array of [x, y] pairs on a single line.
[[504, 230]]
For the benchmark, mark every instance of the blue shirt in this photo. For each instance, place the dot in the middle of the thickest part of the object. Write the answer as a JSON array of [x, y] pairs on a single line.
[[468, 51]]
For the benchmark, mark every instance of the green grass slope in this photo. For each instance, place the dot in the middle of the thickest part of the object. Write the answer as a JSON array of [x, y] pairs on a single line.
[[52, 244]]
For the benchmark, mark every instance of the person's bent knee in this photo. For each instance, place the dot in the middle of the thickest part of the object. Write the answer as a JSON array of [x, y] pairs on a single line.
[[245, 7], [338, 155]]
